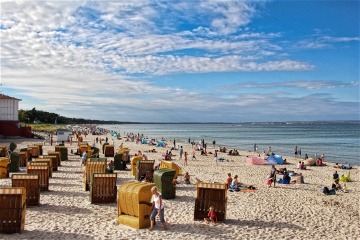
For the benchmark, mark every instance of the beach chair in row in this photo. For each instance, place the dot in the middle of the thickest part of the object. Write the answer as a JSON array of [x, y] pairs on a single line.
[[4, 170], [134, 160], [32, 185], [34, 151], [171, 165], [91, 168], [163, 178], [125, 151], [54, 161], [109, 150], [63, 152], [134, 205], [12, 209], [42, 162], [83, 148], [103, 188], [3, 151], [23, 158], [58, 156], [43, 172], [210, 194], [142, 167]]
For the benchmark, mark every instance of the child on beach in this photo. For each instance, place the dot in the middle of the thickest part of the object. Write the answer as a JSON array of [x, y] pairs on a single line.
[[212, 217], [185, 158], [194, 157], [272, 177], [228, 180], [187, 178], [216, 156]]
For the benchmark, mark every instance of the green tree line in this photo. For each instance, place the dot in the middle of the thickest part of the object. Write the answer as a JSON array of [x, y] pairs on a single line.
[[29, 116]]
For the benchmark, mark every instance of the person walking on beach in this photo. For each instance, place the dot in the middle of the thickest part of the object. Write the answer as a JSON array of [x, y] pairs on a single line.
[[272, 175], [193, 157], [296, 151], [185, 158], [181, 152], [216, 156], [158, 208], [255, 147], [214, 144], [174, 144]]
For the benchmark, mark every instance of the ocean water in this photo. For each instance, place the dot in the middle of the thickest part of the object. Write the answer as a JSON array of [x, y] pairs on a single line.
[[339, 141]]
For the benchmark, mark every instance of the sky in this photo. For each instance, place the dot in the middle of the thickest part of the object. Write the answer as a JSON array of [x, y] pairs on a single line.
[[183, 61]]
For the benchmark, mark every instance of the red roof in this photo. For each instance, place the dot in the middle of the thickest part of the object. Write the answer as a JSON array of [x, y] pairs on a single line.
[[3, 96]]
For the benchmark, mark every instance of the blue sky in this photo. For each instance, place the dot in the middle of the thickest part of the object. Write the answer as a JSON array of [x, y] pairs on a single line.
[[209, 61]]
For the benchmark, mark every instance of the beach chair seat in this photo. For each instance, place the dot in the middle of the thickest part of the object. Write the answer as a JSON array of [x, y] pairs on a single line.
[[103, 188], [109, 151], [126, 153], [12, 209], [210, 194], [134, 160], [91, 168], [27, 153], [4, 170], [37, 161], [63, 152], [32, 185], [142, 167], [134, 205], [54, 161], [171, 165], [43, 172], [163, 178], [58, 156]]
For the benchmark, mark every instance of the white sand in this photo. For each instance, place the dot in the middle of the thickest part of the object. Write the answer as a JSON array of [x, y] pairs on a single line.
[[298, 211]]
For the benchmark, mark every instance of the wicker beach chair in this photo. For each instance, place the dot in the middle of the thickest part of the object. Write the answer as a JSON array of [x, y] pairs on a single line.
[[171, 165], [142, 167], [103, 147], [23, 159], [125, 151], [34, 151], [32, 185], [63, 152], [163, 178], [83, 148], [27, 153], [103, 188], [57, 154], [91, 168], [134, 160], [134, 205], [12, 209], [37, 161], [4, 170], [109, 151], [210, 194], [43, 172], [3, 151], [40, 148], [54, 160]]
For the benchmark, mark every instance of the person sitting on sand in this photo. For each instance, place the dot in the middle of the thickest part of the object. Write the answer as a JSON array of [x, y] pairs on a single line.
[[235, 183], [346, 166], [335, 175], [286, 178], [319, 162], [337, 165], [212, 217], [110, 167], [336, 185], [149, 176], [299, 165], [187, 178], [299, 179], [228, 180]]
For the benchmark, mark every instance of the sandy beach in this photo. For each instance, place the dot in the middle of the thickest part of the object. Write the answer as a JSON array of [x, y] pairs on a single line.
[[295, 211]]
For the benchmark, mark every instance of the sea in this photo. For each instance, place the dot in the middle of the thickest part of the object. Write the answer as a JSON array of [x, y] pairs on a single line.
[[338, 141]]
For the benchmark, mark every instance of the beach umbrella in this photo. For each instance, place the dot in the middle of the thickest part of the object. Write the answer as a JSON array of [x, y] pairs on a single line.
[[276, 159], [161, 144], [255, 160]]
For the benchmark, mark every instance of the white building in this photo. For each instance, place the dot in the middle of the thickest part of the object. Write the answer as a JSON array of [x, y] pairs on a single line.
[[9, 108]]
